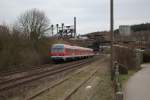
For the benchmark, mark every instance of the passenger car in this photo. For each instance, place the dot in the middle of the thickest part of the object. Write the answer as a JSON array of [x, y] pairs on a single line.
[[65, 52]]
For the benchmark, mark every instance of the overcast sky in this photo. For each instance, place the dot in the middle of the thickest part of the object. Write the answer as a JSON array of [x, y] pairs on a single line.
[[92, 15]]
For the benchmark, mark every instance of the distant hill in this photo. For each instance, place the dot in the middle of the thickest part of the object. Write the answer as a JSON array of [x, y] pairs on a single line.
[[140, 27], [103, 35]]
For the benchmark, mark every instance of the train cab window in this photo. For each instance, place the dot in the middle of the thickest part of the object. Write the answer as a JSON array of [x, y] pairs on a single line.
[[57, 50]]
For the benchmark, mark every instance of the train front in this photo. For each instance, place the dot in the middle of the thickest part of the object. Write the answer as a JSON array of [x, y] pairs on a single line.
[[58, 52]]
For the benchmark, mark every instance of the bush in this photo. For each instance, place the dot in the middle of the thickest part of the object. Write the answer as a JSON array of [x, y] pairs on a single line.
[[146, 56], [17, 50]]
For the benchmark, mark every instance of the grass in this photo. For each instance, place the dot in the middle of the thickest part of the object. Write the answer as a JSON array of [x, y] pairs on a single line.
[[124, 78], [104, 90]]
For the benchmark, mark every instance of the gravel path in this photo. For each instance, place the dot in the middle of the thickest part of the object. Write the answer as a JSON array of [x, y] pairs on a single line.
[[138, 86]]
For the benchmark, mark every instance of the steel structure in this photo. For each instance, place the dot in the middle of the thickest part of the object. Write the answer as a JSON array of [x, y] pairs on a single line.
[[65, 31]]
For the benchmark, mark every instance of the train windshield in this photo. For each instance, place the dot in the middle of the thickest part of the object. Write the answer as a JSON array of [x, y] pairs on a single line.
[[57, 50]]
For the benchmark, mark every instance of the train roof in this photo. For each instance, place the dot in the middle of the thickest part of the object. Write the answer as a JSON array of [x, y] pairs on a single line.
[[69, 46], [61, 45]]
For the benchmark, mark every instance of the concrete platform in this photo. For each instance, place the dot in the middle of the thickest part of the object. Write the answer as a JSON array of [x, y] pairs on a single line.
[[138, 86]]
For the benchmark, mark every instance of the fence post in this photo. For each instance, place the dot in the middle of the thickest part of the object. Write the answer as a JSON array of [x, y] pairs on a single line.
[[119, 95]]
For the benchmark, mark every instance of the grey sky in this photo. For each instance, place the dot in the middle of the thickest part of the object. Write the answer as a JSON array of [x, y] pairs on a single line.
[[92, 15]]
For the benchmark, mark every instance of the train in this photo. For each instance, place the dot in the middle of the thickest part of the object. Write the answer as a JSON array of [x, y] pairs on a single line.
[[64, 52]]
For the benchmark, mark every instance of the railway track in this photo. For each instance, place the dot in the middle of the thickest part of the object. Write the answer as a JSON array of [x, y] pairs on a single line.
[[14, 75], [78, 87], [12, 83], [22, 69], [70, 94], [60, 82]]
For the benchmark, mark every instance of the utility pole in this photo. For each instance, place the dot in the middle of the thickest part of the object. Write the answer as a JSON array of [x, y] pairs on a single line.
[[112, 34]]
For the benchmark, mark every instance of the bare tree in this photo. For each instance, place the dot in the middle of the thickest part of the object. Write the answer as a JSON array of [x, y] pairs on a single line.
[[34, 22], [4, 29]]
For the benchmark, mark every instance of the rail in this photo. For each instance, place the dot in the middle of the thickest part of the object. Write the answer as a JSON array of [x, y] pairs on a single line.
[[6, 85]]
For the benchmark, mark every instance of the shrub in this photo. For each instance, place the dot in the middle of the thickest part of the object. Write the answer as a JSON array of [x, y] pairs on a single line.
[[146, 56]]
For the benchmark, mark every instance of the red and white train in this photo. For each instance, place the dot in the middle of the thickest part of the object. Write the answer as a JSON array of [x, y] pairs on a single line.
[[65, 52]]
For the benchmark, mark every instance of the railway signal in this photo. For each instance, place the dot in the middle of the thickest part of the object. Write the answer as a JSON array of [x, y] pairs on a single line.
[[66, 31], [52, 28]]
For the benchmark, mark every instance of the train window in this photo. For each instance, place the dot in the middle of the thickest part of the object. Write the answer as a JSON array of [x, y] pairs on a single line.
[[58, 50], [69, 50]]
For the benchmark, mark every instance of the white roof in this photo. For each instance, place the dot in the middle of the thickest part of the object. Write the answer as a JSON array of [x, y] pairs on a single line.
[[73, 47]]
